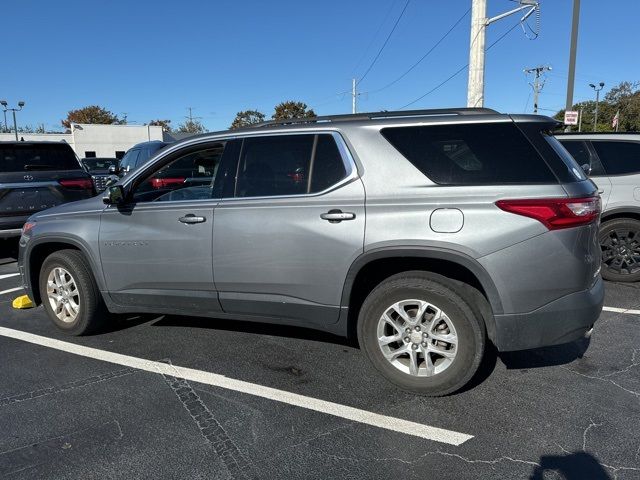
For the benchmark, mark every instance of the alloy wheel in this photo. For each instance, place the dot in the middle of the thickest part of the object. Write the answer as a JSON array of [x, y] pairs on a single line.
[[63, 295]]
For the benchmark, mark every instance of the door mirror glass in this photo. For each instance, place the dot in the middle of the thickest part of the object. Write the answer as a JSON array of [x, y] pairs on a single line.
[[114, 195]]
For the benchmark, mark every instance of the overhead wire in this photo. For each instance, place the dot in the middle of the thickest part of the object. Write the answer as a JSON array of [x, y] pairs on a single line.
[[435, 45], [457, 72], [375, 59]]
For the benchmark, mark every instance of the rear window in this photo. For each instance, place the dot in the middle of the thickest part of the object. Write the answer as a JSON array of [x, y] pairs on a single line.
[[33, 157], [477, 154], [618, 157], [580, 152]]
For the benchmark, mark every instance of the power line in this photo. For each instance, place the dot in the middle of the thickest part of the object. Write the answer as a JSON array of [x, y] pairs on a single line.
[[364, 52], [457, 72], [385, 43], [435, 45]]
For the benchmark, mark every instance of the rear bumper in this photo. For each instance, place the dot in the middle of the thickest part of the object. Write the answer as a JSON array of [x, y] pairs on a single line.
[[561, 321]]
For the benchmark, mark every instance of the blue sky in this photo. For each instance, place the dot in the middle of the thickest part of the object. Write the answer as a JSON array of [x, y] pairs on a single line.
[[152, 59]]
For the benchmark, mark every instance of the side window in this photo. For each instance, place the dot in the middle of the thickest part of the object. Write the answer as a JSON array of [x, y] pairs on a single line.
[[191, 176], [618, 157], [478, 154], [288, 165], [580, 152]]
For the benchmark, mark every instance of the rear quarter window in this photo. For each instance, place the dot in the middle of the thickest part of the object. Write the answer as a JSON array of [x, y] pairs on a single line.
[[618, 157], [35, 157], [474, 154]]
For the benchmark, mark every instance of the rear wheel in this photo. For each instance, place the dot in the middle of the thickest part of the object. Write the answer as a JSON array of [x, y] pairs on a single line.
[[70, 295], [419, 330], [620, 244]]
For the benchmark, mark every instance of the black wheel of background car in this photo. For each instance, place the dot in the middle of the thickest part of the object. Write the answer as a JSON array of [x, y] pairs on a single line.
[[70, 295], [422, 332], [620, 244]]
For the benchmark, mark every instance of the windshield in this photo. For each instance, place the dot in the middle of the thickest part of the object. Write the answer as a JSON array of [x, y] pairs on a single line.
[[33, 157], [99, 163]]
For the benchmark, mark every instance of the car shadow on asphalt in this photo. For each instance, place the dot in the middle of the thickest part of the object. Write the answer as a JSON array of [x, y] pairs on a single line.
[[545, 357], [572, 466], [258, 328]]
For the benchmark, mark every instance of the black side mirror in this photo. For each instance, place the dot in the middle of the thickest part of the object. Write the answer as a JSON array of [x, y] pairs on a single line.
[[113, 195], [114, 170], [586, 168]]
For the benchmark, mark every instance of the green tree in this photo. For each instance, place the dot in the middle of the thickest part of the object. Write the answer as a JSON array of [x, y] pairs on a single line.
[[165, 124], [91, 114], [246, 118], [191, 126], [291, 109]]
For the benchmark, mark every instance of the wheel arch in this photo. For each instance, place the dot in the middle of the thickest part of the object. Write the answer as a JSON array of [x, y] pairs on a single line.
[[621, 212], [375, 265], [40, 249]]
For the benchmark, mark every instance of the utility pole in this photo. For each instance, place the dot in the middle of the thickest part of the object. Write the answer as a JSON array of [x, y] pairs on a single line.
[[580, 121], [597, 90], [479, 24], [475, 89], [537, 85], [354, 95], [572, 54]]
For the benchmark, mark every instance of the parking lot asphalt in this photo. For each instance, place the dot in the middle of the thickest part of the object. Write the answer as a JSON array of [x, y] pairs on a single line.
[[158, 410]]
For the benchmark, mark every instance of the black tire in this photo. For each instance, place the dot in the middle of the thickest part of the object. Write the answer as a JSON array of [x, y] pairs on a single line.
[[620, 244], [451, 297], [92, 312]]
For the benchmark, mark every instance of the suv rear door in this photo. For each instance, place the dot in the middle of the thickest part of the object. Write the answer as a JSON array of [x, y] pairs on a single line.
[[289, 228]]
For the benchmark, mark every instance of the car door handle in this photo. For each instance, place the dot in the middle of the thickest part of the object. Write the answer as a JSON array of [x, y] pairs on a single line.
[[336, 216], [190, 219]]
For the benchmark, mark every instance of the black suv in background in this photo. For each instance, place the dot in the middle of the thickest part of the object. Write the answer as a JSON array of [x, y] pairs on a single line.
[[35, 176], [100, 170]]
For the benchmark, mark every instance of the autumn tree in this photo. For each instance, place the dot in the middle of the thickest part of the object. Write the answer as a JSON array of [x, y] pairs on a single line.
[[91, 114], [246, 118], [291, 109], [165, 124], [191, 126]]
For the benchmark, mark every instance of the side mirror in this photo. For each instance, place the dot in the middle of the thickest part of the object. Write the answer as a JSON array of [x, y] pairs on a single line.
[[586, 168], [114, 170], [113, 195]]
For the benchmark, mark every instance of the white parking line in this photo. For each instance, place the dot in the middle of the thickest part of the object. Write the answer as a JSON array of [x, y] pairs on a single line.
[[10, 290], [621, 310], [8, 275], [310, 403]]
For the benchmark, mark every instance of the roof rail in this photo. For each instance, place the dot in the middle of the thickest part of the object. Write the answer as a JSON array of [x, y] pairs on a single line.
[[375, 115]]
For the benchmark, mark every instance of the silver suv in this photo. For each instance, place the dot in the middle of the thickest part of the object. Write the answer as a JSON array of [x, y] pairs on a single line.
[[424, 234], [614, 162]]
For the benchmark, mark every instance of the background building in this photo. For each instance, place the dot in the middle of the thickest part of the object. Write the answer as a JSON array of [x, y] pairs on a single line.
[[90, 140]]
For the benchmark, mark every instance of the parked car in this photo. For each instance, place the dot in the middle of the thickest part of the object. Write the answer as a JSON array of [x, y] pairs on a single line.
[[614, 162], [100, 170], [35, 176], [137, 156], [421, 234]]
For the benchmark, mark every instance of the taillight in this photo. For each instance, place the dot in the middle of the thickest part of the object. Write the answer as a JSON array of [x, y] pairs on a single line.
[[556, 213], [166, 182], [77, 183]]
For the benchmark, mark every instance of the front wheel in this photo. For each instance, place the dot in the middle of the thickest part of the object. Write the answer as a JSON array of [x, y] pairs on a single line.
[[421, 334], [70, 295], [620, 244]]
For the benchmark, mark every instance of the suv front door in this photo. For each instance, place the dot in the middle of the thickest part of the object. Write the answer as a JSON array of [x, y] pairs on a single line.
[[156, 248], [289, 229]]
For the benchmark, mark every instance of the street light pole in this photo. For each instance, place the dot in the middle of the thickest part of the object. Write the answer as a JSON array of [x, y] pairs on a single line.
[[597, 90], [14, 110]]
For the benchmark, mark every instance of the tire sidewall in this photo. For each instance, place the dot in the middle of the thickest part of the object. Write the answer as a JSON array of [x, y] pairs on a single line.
[[81, 319], [606, 228], [470, 334]]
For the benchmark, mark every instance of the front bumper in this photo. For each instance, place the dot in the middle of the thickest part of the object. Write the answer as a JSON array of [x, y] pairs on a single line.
[[561, 321]]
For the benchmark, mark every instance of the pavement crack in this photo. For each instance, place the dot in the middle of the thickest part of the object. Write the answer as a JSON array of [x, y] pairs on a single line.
[[238, 465], [591, 425], [592, 377], [84, 382]]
